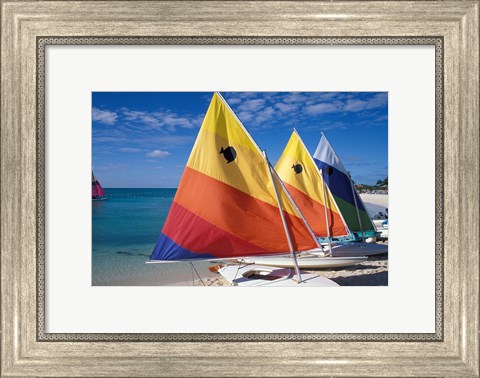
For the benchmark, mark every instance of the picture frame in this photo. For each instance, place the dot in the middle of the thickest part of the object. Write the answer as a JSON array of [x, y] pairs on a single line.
[[452, 26]]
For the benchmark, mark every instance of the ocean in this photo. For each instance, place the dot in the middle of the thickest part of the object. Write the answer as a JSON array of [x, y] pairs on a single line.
[[125, 229]]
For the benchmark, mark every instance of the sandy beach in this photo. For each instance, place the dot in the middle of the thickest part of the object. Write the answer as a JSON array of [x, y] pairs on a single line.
[[373, 272], [375, 202]]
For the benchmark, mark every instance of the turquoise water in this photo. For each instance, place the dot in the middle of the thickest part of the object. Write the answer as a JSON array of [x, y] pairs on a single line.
[[125, 229]]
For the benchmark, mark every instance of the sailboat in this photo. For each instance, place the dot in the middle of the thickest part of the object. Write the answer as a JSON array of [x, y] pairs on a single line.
[[304, 181], [249, 275], [340, 183], [98, 194], [230, 204]]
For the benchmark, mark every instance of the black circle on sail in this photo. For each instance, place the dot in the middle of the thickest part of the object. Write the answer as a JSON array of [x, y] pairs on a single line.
[[229, 153], [328, 170], [297, 168]]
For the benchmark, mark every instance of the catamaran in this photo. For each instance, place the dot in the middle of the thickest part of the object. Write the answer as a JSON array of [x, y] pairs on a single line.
[[98, 194], [230, 203]]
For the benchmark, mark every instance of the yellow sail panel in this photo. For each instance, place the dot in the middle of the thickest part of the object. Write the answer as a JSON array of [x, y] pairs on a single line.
[[296, 229], [302, 178], [221, 121], [225, 152]]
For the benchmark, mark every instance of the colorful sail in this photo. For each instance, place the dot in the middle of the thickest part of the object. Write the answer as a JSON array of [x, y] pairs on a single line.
[[298, 171], [225, 205], [342, 188], [97, 190]]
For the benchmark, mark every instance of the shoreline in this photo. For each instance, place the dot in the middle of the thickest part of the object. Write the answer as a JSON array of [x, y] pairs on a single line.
[[126, 267]]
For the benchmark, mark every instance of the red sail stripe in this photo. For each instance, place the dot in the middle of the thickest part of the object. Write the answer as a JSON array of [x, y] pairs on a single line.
[[314, 212], [197, 235], [240, 214]]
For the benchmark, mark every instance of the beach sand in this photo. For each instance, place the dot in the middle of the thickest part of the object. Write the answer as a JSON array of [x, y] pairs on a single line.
[[373, 272], [375, 202]]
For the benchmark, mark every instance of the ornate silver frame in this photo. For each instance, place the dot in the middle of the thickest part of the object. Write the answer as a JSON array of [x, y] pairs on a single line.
[[42, 42], [27, 27]]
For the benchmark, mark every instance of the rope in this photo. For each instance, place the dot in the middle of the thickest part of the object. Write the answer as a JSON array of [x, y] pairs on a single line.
[[200, 278], [193, 276]]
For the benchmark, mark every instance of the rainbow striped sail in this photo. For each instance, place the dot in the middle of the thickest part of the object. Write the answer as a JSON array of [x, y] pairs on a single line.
[[298, 171], [225, 205], [339, 182]]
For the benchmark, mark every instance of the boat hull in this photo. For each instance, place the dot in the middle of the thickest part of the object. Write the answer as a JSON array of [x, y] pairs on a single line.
[[261, 275], [310, 261], [358, 249]]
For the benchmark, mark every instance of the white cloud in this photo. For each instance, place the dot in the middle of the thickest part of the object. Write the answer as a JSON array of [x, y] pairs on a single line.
[[252, 105], [161, 119], [265, 114], [171, 119], [157, 153], [376, 101], [234, 101], [285, 107], [322, 108], [142, 117], [355, 105], [379, 99], [294, 97], [245, 116], [104, 116]]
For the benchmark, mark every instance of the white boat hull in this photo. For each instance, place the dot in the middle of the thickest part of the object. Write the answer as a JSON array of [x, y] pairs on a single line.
[[358, 249], [260, 275], [310, 261]]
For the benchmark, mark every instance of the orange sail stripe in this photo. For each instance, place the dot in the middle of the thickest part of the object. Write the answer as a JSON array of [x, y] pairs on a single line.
[[314, 213], [199, 236], [238, 213]]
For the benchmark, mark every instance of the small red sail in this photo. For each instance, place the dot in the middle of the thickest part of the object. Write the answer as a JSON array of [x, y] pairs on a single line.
[[97, 190]]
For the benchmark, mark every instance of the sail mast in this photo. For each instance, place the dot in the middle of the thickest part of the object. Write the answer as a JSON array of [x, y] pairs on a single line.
[[326, 212], [295, 206], [287, 233], [356, 206]]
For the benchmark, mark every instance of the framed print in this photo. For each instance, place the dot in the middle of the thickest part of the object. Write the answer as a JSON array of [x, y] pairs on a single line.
[[77, 81]]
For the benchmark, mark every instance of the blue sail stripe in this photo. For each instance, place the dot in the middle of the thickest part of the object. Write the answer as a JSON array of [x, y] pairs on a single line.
[[339, 184], [167, 250]]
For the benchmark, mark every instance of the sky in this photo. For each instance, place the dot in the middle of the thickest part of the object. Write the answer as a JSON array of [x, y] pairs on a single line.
[[144, 139]]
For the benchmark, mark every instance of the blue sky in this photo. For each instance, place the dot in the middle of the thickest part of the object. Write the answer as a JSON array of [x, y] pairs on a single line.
[[143, 139]]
